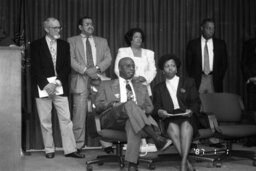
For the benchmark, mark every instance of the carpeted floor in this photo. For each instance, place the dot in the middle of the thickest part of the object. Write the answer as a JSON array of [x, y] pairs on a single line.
[[37, 162]]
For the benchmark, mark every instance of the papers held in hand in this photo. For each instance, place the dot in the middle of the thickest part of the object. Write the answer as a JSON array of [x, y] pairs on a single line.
[[180, 112], [43, 93]]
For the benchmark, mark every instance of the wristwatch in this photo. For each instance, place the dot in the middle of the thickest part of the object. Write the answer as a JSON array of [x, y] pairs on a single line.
[[98, 68]]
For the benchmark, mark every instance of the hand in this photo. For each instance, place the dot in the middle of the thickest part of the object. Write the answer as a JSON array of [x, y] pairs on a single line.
[[92, 73], [50, 89], [189, 112], [139, 79], [253, 80], [113, 104], [163, 113]]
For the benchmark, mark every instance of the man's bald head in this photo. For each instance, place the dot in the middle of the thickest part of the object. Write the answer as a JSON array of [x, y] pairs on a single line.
[[126, 68]]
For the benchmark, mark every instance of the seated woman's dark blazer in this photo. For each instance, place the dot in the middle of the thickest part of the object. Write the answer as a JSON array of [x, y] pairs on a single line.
[[187, 95]]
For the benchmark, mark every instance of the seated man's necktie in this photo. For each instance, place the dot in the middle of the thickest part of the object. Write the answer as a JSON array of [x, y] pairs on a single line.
[[130, 95]]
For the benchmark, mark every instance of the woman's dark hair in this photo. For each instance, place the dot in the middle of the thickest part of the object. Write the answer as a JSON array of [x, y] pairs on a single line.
[[163, 59], [128, 36]]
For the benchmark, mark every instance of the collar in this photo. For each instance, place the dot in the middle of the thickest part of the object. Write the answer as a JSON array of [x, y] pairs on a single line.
[[174, 79], [124, 80], [48, 39], [85, 36], [203, 39]]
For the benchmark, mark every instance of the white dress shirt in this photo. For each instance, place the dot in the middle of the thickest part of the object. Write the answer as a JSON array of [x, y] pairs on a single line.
[[210, 51], [172, 86], [52, 45], [123, 91]]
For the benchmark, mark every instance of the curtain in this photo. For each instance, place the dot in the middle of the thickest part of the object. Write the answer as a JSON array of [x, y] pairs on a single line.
[[168, 25]]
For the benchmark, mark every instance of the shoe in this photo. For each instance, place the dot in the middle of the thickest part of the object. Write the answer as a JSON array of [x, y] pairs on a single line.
[[79, 150], [108, 149], [132, 167], [163, 144], [49, 155], [75, 155]]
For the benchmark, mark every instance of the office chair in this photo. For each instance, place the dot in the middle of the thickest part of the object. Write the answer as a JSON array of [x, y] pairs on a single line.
[[118, 138], [229, 112]]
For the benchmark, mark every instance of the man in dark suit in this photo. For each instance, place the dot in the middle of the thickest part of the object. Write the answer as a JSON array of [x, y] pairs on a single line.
[[126, 105], [206, 59], [50, 59], [249, 71], [90, 58]]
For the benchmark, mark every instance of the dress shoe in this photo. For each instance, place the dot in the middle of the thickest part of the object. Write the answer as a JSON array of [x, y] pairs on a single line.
[[49, 155], [79, 150], [132, 167], [75, 155], [108, 149], [163, 143]]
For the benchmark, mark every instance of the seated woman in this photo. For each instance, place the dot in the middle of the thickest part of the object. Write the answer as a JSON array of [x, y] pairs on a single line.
[[176, 100]]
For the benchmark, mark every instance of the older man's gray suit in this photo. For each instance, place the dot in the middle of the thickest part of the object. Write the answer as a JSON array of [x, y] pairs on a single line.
[[129, 115]]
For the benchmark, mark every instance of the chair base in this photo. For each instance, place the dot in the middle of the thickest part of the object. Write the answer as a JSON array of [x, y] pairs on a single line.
[[238, 153], [119, 158]]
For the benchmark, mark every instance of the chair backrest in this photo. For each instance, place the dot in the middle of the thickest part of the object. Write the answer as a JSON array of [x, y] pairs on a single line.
[[227, 107]]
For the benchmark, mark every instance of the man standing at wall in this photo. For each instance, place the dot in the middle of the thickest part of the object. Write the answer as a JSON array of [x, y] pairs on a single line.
[[50, 62], [90, 58], [206, 59]]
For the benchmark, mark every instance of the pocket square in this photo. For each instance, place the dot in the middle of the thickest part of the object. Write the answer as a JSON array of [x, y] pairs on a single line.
[[117, 96]]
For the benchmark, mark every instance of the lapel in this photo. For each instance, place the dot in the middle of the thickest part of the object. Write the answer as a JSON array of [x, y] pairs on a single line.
[[179, 89], [80, 46], [199, 51], [181, 93], [129, 52], [47, 51], [215, 55], [98, 48], [167, 97], [136, 91], [115, 88]]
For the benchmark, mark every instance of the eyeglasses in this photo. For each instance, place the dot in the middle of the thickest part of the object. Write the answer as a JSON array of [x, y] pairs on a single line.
[[56, 28]]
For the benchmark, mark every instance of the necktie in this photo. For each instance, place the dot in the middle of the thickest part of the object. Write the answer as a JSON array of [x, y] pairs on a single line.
[[89, 53], [206, 59], [129, 92], [53, 54]]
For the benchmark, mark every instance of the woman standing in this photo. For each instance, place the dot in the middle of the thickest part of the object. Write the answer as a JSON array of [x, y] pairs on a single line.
[[145, 69]]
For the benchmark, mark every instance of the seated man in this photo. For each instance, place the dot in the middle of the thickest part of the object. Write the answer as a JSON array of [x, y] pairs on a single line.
[[126, 105]]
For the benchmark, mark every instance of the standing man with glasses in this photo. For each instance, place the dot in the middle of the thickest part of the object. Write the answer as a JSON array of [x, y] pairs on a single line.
[[206, 59], [90, 58], [50, 62]]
